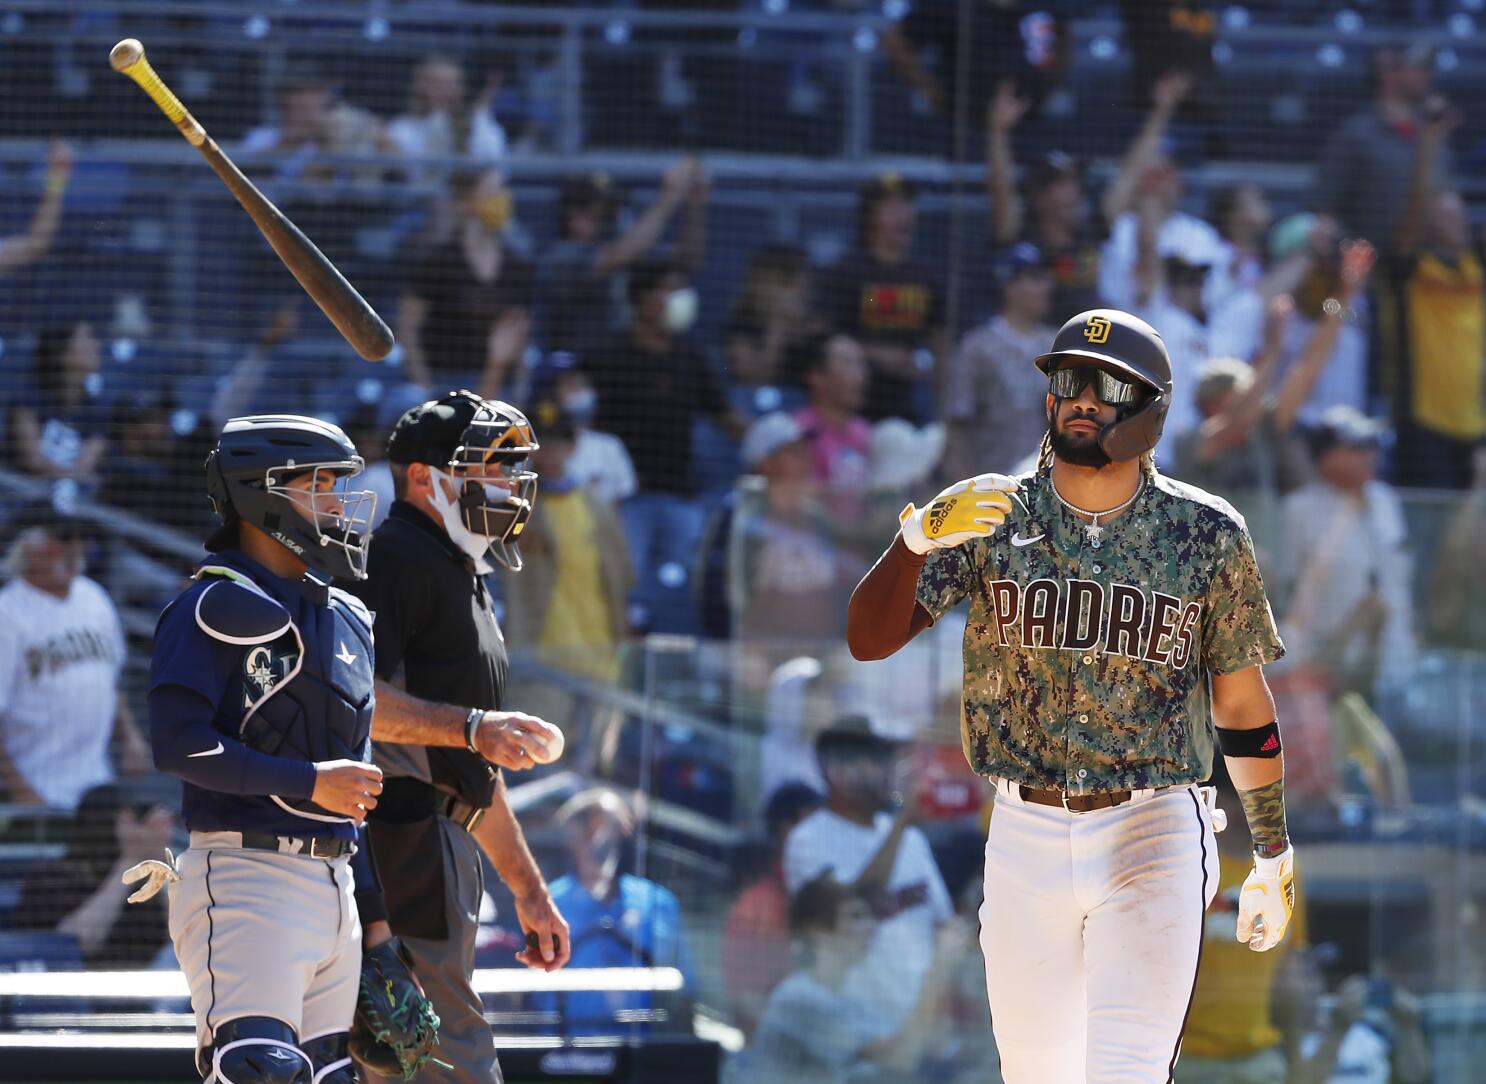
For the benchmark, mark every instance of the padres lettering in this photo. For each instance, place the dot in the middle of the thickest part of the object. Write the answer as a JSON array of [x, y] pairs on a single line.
[[1084, 615]]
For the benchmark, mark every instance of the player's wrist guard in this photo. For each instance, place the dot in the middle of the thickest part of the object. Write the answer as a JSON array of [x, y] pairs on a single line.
[[1263, 743]]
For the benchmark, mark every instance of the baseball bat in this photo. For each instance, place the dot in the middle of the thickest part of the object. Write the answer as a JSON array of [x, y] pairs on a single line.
[[337, 298]]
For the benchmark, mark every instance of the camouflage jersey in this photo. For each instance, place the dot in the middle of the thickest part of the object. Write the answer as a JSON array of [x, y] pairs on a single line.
[[1086, 662]]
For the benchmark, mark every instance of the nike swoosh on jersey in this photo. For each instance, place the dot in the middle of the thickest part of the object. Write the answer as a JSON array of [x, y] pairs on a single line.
[[208, 752], [1018, 541], [345, 656]]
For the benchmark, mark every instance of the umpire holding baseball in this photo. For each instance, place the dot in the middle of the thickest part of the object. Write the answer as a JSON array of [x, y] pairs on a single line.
[[464, 494], [1117, 633], [261, 702]]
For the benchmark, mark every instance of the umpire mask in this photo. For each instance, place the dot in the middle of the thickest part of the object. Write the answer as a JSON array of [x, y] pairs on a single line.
[[494, 488]]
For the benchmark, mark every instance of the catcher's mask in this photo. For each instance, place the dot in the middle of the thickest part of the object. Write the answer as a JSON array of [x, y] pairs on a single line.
[[481, 449], [248, 473]]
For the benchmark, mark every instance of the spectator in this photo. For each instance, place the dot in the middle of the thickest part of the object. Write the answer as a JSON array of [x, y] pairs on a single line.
[[1149, 186], [1373, 1032], [818, 1027], [1022, 41], [771, 316], [599, 462], [992, 374], [653, 384], [569, 602], [1307, 264], [578, 276], [1244, 445], [468, 301], [616, 919], [787, 578], [1230, 1033], [1243, 218], [833, 369], [440, 123], [58, 423], [35, 242], [1169, 297], [1349, 605], [756, 937], [61, 653], [1457, 587], [883, 859], [314, 121], [83, 895], [1166, 36], [1048, 212], [1437, 356], [888, 301], [1364, 172]]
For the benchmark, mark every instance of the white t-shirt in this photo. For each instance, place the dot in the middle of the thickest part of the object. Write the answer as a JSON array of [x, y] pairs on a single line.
[[600, 463], [59, 667], [891, 975], [1187, 342], [809, 1034], [432, 136], [1362, 1058], [1181, 234]]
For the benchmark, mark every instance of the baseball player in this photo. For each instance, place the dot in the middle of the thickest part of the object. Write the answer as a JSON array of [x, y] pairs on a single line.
[[460, 468], [1117, 628], [261, 701]]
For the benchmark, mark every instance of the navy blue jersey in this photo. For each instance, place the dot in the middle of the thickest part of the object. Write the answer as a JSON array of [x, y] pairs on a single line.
[[254, 678]]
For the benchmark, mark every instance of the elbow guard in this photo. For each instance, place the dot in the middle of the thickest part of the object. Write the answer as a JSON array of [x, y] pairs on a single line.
[[1263, 743]]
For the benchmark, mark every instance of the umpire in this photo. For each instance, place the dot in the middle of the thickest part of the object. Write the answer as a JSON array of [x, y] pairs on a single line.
[[464, 492]]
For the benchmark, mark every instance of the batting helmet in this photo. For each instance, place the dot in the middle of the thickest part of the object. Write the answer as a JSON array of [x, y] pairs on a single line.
[[246, 481], [1131, 349], [459, 433]]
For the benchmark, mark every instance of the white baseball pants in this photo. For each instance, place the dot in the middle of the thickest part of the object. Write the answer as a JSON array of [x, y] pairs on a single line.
[[1091, 929]]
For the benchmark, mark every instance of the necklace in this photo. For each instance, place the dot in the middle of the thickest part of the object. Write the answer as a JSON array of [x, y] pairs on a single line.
[[1092, 530]]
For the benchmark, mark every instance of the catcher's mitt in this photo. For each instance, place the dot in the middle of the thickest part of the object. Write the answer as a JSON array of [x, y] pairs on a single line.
[[396, 1028]]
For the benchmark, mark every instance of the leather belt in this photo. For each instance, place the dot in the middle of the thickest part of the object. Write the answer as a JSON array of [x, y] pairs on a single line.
[[308, 846], [1078, 803], [407, 800]]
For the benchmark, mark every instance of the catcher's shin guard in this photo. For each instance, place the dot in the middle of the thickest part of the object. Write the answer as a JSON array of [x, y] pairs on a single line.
[[331, 1057], [254, 1050]]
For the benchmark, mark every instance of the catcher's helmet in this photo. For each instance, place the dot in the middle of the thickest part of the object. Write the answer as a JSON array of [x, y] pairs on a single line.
[[246, 480], [1131, 349], [461, 431]]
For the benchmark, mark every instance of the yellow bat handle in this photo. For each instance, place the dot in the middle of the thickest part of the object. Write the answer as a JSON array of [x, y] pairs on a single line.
[[127, 57]]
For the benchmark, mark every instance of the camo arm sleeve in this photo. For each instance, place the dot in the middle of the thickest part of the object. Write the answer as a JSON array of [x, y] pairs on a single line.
[[1239, 630]]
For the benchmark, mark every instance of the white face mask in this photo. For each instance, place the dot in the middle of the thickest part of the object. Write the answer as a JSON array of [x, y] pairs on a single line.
[[476, 546], [681, 310]]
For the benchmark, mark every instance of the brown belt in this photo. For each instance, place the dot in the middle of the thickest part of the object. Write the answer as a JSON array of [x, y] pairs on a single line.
[[1077, 803]]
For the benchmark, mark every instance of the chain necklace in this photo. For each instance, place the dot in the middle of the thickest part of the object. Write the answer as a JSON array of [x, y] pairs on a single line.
[[1093, 531]]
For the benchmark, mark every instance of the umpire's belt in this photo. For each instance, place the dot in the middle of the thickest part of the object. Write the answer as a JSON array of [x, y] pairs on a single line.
[[1079, 803], [308, 846], [404, 799]]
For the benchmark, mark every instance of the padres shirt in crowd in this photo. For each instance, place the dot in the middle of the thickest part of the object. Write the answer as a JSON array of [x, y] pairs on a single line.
[[1105, 640], [59, 667]]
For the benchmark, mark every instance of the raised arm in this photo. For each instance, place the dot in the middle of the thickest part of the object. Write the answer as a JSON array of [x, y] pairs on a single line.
[[36, 241], [1005, 210], [1440, 118], [1356, 265], [641, 237], [1120, 196]]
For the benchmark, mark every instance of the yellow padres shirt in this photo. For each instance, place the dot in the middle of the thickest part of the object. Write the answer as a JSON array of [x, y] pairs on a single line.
[[1086, 660]]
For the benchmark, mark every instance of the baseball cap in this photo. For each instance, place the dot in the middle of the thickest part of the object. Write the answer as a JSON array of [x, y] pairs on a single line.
[[770, 433], [1343, 426], [55, 513], [429, 432], [1290, 234], [551, 422], [1020, 258], [885, 185], [1048, 168], [854, 734], [586, 190]]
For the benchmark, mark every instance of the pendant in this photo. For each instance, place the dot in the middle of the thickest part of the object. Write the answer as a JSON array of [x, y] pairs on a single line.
[[1094, 533]]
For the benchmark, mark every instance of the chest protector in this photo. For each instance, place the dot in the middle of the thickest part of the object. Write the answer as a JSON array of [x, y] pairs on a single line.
[[306, 690]]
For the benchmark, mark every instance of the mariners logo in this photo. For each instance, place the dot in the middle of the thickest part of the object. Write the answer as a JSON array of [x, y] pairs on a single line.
[[265, 668]]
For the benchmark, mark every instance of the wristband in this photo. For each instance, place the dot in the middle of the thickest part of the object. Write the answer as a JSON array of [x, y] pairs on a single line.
[[471, 724], [1263, 742]]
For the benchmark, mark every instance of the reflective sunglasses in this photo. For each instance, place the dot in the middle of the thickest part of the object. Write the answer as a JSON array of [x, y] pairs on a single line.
[[1069, 384]]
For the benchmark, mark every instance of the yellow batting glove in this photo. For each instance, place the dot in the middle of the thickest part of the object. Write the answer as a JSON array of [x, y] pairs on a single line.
[[1267, 900], [969, 509]]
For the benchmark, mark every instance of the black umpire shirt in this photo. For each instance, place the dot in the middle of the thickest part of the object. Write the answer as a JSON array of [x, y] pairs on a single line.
[[436, 636]]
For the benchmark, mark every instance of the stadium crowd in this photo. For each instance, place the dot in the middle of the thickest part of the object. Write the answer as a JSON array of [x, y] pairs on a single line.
[[1329, 363]]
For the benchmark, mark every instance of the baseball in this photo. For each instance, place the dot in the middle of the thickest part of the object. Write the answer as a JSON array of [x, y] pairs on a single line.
[[549, 744]]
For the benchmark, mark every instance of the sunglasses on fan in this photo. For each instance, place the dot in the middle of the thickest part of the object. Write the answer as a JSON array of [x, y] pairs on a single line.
[[1070, 383]]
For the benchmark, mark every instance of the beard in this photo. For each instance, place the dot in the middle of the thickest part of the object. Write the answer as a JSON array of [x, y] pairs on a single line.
[[1079, 449]]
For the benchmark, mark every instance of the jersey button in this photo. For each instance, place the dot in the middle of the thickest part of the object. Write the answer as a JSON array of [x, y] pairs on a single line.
[[1098, 567], [1088, 660], [1083, 718], [1083, 773], [1096, 543]]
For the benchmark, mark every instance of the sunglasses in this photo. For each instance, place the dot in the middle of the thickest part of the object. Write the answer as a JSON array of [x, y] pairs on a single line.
[[1070, 383]]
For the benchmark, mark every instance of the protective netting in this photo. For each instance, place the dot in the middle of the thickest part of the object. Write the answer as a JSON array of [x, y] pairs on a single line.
[[760, 272]]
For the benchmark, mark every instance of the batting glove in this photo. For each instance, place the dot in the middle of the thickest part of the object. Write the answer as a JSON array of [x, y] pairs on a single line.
[[1267, 900], [155, 874], [969, 509]]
